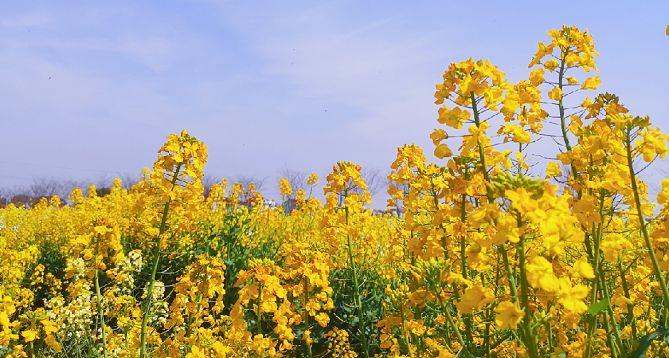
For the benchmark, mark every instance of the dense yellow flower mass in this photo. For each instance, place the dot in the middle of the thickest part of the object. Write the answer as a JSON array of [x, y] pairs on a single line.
[[488, 250]]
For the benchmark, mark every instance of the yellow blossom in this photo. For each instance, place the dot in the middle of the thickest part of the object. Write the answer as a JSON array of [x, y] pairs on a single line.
[[508, 315]]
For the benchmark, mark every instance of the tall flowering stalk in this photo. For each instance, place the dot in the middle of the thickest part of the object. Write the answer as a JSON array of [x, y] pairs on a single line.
[[177, 172], [651, 144], [107, 241], [346, 196]]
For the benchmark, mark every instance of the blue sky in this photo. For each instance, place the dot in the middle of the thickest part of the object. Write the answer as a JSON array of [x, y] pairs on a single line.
[[91, 88]]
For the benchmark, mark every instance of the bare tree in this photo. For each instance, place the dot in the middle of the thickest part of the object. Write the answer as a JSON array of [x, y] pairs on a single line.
[[5, 197], [246, 180], [248, 197], [399, 204], [296, 178], [375, 179], [208, 181], [45, 188], [30, 194], [128, 180]]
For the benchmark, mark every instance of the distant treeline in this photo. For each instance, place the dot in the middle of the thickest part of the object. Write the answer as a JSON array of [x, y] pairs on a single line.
[[29, 194]]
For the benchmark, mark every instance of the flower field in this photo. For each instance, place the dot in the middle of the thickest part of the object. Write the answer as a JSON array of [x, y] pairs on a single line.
[[492, 249]]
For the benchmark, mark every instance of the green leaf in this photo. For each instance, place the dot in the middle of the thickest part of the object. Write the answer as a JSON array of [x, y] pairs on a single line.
[[645, 343], [597, 307]]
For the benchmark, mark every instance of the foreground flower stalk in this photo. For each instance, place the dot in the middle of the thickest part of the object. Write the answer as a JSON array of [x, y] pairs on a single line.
[[156, 253]]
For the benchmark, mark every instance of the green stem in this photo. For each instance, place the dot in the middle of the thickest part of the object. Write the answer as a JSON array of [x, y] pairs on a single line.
[[463, 243], [592, 324], [490, 313], [149, 291], [601, 276], [509, 275], [563, 119], [609, 309], [596, 236], [259, 310], [356, 291], [305, 285], [449, 318], [642, 223], [484, 169], [101, 314], [630, 306], [549, 331], [609, 339], [404, 330], [530, 338]]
